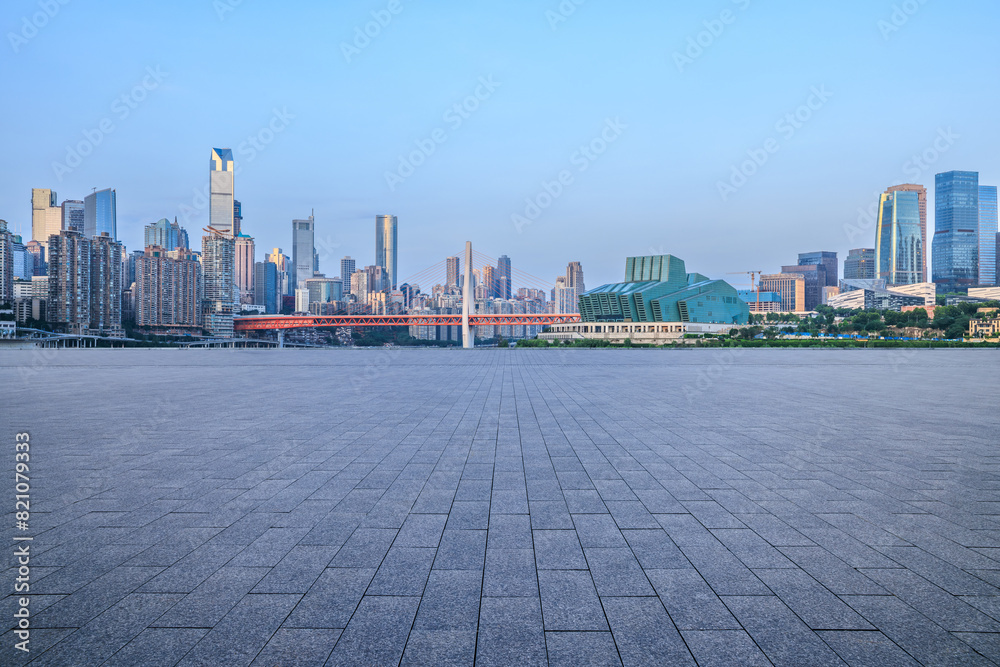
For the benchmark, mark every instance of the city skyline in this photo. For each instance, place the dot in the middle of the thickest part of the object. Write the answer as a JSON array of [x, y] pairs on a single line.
[[682, 136]]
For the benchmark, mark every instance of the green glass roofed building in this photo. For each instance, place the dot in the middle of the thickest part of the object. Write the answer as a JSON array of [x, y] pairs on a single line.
[[658, 288]]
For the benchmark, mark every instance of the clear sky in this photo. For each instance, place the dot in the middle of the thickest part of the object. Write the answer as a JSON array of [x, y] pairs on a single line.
[[332, 114]]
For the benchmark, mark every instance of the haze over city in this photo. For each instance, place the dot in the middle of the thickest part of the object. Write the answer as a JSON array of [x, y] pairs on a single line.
[[693, 91]]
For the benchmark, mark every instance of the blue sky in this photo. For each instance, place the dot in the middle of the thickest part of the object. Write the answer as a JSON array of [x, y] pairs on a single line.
[[893, 78]]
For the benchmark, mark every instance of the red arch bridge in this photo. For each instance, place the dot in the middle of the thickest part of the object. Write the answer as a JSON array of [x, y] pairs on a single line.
[[284, 322]]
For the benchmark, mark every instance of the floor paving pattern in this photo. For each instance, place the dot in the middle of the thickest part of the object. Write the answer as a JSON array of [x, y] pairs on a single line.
[[507, 507]]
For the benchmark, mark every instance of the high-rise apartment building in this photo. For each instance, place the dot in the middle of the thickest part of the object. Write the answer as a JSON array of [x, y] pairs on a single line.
[[453, 272], [860, 264], [347, 268], [168, 290], [987, 235], [359, 285], [790, 286], [221, 188], [46, 215], [266, 287], [899, 249], [922, 206], [68, 304], [386, 247], [955, 256], [6, 264], [244, 267], [106, 285], [99, 214], [503, 277], [378, 281], [218, 257], [303, 250], [73, 215], [489, 282]]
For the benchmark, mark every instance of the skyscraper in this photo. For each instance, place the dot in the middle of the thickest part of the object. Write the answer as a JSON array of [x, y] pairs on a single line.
[[164, 234], [922, 204], [899, 250], [831, 265], [283, 267], [453, 272], [814, 277], [386, 246], [73, 215], [503, 277], [237, 218], [860, 264], [218, 252], [955, 256], [6, 264], [99, 214], [303, 250], [266, 287], [46, 216], [221, 184], [347, 267], [574, 278], [244, 267], [489, 282], [987, 234]]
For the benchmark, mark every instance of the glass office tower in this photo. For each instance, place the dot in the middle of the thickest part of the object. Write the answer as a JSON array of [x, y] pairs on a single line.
[[899, 249], [503, 277], [955, 257], [386, 246], [987, 234], [99, 215]]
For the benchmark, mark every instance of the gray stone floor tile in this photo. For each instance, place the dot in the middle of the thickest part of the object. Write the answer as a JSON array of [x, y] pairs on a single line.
[[582, 649], [510, 632], [867, 649], [570, 602], [332, 599], [724, 648], [558, 550], [461, 550], [244, 631], [690, 601], [297, 647], [784, 638], [377, 632], [644, 633]]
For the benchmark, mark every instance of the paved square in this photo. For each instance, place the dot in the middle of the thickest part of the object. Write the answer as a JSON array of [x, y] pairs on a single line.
[[499, 507]]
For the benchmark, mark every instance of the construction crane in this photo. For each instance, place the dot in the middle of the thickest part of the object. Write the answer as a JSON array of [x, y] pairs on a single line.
[[754, 285]]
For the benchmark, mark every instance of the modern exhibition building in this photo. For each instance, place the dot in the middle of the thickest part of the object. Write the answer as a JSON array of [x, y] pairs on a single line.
[[658, 302]]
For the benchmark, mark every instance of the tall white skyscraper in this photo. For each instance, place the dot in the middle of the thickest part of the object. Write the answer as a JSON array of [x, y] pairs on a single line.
[[386, 247], [221, 211], [303, 250]]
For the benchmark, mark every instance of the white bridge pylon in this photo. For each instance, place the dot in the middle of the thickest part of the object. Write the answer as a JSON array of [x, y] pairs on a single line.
[[468, 341]]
